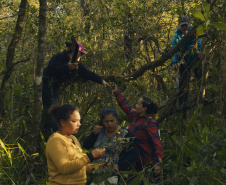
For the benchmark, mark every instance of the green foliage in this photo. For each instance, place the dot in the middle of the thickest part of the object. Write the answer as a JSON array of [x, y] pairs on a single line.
[[205, 17], [194, 147], [195, 156], [219, 25], [197, 14], [17, 167]]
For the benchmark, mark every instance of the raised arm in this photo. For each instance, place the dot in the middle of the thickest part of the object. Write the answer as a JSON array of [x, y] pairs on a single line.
[[124, 104]]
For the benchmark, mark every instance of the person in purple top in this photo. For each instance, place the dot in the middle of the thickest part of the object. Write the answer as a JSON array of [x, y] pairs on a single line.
[[60, 69]]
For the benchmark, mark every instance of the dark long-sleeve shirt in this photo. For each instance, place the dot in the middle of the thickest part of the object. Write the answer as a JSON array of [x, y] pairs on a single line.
[[145, 130], [126, 151], [57, 72]]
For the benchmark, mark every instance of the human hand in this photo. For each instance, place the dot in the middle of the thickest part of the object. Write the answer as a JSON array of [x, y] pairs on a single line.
[[116, 170], [105, 84], [104, 165], [175, 67], [116, 88], [72, 66], [157, 169], [197, 54], [116, 166], [96, 129], [97, 153]]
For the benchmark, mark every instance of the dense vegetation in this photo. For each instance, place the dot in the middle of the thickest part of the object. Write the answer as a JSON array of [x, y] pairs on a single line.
[[129, 43]]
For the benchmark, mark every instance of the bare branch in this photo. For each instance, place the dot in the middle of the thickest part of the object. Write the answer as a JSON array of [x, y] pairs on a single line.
[[12, 67]]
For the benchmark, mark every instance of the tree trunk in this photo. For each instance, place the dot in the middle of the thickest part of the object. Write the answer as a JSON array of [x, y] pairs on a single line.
[[36, 124], [10, 54], [221, 111]]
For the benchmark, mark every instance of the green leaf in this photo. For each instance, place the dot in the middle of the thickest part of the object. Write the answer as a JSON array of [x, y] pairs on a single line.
[[190, 168], [7, 152], [137, 179], [206, 9], [219, 25], [193, 179], [200, 29], [193, 163], [21, 148], [215, 88], [197, 14], [192, 121], [206, 6]]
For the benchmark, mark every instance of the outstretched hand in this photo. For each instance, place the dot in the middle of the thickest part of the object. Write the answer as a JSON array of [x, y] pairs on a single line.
[[105, 84], [104, 165], [157, 169], [175, 67], [115, 88], [72, 66]]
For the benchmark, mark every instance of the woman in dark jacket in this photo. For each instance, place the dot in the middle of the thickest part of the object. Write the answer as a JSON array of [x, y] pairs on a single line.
[[59, 70], [118, 142]]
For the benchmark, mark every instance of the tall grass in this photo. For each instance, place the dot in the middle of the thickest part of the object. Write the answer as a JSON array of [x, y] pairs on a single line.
[[195, 154], [19, 168]]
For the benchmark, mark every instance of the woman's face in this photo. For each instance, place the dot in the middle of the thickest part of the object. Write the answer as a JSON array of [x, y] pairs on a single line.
[[79, 56], [110, 123], [184, 28], [72, 124], [139, 109]]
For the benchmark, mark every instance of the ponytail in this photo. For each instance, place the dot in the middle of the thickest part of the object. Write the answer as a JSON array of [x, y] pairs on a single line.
[[152, 108], [61, 112]]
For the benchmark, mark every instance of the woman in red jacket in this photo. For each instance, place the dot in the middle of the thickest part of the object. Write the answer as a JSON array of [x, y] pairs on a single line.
[[145, 130]]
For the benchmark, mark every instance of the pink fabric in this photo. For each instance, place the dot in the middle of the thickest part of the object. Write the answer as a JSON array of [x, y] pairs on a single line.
[[80, 48]]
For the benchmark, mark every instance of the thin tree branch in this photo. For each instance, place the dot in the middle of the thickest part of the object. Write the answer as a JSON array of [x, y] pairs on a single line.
[[12, 67]]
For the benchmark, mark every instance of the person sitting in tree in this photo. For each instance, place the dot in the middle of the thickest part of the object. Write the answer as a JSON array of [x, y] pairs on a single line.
[[183, 58], [60, 69]]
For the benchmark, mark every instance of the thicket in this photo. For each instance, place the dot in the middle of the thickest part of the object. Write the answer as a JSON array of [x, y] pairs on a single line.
[[129, 43]]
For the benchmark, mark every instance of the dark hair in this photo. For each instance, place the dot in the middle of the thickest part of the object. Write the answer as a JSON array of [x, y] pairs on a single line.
[[152, 108], [69, 47], [61, 112], [106, 112]]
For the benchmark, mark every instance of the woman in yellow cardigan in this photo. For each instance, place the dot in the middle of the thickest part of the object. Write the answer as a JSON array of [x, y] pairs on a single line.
[[66, 162]]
